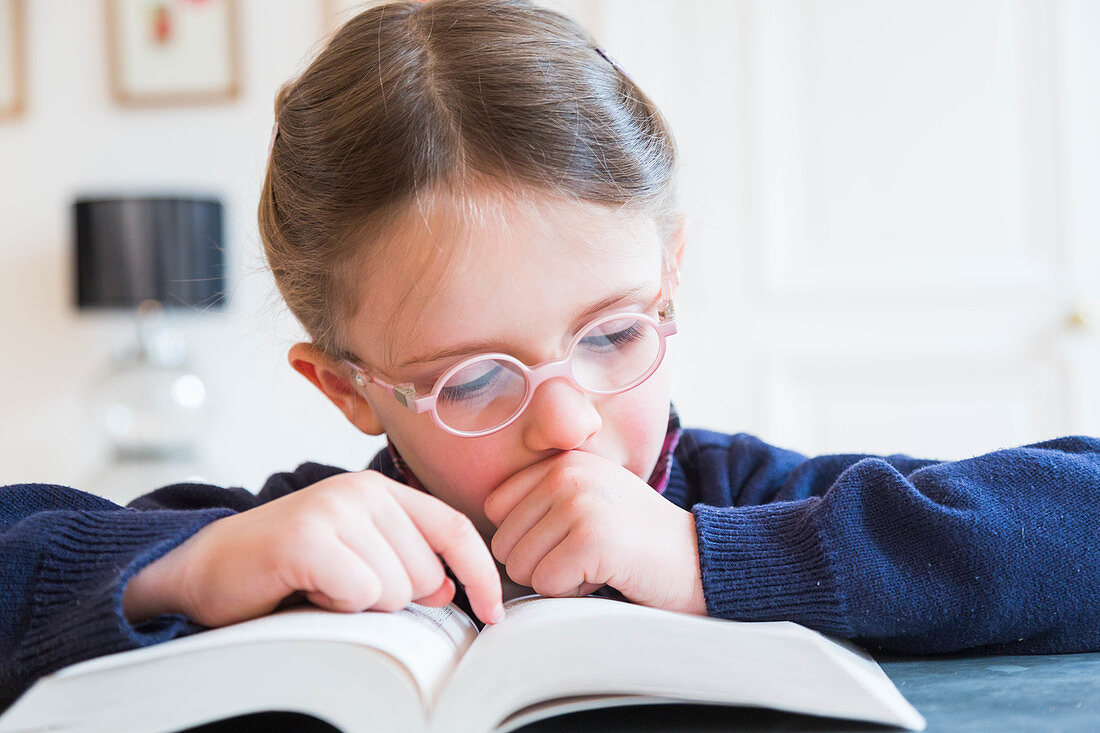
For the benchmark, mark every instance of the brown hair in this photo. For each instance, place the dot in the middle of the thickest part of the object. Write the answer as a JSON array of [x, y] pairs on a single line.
[[408, 96]]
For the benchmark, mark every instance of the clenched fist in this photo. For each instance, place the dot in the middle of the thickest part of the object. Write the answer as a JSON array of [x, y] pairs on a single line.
[[570, 524]]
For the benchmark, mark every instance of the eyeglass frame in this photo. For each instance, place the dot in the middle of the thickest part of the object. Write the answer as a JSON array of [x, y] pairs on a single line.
[[533, 376]]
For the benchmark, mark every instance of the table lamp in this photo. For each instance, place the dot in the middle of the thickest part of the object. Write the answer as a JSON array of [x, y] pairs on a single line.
[[149, 255]]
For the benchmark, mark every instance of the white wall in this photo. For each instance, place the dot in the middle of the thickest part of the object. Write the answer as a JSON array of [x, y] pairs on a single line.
[[906, 341], [73, 140]]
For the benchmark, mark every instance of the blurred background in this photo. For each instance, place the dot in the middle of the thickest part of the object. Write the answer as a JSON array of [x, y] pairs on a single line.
[[895, 242]]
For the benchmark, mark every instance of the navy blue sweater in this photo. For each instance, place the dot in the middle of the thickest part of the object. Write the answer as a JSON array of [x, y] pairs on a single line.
[[999, 552]]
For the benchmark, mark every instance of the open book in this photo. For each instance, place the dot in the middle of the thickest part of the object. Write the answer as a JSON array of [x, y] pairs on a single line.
[[428, 669]]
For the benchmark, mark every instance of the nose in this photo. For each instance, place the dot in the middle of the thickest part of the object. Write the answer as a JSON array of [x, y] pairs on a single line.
[[560, 417]]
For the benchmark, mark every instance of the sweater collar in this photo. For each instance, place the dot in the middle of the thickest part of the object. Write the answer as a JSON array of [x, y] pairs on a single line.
[[658, 479]]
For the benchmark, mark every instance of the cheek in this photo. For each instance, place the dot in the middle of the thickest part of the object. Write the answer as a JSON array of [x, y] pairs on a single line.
[[477, 466], [639, 421], [460, 471]]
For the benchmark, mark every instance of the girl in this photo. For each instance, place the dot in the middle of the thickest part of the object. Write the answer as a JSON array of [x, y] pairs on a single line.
[[471, 210]]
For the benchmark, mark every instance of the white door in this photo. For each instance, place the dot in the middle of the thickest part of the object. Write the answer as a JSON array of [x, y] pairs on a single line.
[[897, 239]]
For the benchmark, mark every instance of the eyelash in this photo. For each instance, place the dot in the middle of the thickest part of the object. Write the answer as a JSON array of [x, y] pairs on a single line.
[[470, 389], [623, 337]]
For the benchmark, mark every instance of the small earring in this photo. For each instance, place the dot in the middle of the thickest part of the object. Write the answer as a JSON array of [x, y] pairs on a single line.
[[359, 380]]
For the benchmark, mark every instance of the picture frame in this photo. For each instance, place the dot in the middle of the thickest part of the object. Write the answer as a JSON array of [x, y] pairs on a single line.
[[13, 58], [173, 52]]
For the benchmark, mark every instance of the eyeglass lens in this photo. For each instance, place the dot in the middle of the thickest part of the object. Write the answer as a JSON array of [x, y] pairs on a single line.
[[609, 356]]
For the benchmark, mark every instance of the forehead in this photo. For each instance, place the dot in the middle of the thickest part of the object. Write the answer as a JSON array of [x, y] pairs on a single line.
[[489, 264]]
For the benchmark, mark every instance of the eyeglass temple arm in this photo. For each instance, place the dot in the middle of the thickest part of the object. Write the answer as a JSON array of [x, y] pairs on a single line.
[[666, 312], [405, 393]]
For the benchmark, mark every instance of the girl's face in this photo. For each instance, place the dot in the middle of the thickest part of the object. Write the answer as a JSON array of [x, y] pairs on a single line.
[[514, 276]]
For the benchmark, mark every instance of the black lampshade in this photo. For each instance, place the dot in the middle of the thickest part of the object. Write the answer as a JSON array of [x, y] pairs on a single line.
[[129, 250]]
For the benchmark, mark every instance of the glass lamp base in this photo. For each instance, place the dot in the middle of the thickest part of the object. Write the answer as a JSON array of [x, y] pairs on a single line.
[[152, 407]]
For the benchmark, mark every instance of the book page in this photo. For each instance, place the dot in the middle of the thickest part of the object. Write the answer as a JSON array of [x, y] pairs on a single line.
[[554, 648], [359, 671], [427, 641]]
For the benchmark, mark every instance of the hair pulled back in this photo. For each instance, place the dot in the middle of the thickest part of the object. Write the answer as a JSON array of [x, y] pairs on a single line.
[[407, 96]]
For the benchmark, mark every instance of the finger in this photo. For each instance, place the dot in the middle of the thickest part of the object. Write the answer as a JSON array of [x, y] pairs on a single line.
[[512, 490], [368, 542], [534, 546], [519, 522], [442, 596], [337, 579], [566, 567], [422, 565], [452, 535]]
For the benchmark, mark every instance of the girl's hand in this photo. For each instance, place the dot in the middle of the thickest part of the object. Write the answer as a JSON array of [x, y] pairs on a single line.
[[577, 521], [352, 542]]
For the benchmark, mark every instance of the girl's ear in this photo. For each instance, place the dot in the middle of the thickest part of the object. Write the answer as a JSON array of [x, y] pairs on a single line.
[[676, 246], [318, 368], [679, 239]]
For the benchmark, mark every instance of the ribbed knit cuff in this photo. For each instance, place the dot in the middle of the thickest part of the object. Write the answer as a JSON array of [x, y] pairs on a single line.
[[77, 597], [767, 563]]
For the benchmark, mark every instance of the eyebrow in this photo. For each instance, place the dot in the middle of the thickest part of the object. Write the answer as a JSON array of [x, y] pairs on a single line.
[[493, 345]]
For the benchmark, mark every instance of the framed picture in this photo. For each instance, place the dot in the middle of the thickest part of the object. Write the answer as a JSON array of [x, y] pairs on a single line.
[[13, 54], [173, 52]]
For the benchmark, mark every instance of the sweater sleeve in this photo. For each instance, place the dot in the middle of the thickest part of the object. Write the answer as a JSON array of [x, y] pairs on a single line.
[[68, 555], [999, 552]]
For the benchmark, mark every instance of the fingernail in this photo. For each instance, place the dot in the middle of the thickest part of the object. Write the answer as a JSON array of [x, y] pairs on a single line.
[[497, 615]]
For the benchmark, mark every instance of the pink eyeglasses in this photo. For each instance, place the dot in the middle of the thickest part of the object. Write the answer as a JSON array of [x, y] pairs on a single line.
[[488, 392]]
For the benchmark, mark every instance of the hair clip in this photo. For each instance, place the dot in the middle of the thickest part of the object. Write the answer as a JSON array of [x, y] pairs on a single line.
[[614, 64]]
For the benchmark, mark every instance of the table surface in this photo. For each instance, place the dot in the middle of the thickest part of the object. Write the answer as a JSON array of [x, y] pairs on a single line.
[[1056, 692]]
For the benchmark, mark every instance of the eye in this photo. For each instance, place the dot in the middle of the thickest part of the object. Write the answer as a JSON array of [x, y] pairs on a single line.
[[461, 387], [617, 334]]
